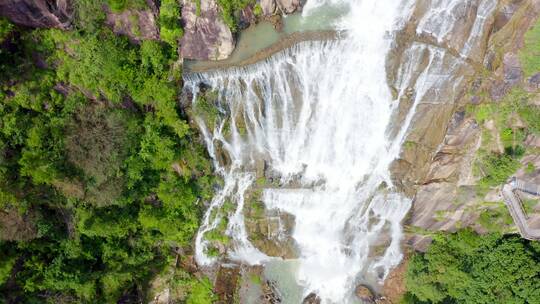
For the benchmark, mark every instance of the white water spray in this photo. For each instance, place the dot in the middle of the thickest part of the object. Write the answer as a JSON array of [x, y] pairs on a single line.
[[318, 115]]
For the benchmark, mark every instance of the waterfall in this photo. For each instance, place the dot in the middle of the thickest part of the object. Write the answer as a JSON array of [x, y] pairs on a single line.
[[318, 119]]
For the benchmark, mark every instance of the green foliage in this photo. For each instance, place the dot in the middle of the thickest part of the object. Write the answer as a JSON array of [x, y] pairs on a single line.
[[531, 116], [497, 168], [96, 149], [468, 268], [495, 219], [88, 15], [530, 53], [257, 10], [202, 293], [169, 22], [120, 5], [206, 108], [230, 10], [7, 261], [5, 28]]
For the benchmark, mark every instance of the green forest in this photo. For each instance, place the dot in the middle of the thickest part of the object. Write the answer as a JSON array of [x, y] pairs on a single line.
[[102, 179], [465, 267]]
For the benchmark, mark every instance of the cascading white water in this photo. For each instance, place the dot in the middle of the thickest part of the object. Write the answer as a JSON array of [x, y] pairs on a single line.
[[319, 116]]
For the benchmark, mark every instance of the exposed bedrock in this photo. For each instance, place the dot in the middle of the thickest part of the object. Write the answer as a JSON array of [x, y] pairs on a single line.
[[38, 13], [138, 25], [206, 36], [435, 165]]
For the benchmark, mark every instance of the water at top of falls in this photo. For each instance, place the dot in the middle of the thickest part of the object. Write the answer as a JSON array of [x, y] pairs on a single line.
[[318, 116]]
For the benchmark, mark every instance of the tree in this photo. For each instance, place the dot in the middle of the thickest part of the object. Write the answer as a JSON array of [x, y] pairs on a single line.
[[468, 268]]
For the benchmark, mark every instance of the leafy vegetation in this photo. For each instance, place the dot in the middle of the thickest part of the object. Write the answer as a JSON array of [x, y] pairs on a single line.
[[530, 53], [97, 163], [468, 268], [230, 11], [507, 117], [169, 21], [5, 28], [120, 5]]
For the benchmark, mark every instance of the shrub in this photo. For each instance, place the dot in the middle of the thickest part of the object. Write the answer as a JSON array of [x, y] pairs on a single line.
[[5, 28], [169, 22]]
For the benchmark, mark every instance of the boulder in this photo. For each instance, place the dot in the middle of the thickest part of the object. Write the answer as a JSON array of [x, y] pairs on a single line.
[[206, 36], [288, 6], [364, 294], [312, 298], [268, 7], [534, 81], [38, 13]]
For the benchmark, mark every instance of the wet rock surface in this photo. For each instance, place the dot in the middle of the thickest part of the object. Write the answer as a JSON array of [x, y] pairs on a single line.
[[38, 13], [312, 298], [365, 294], [270, 230]]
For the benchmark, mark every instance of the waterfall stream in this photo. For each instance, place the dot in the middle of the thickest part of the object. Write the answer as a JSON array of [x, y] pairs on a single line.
[[315, 123]]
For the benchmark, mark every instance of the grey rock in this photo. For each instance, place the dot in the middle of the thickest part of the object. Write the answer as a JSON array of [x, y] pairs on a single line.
[[38, 13], [268, 7], [534, 81], [206, 36], [512, 69], [288, 6]]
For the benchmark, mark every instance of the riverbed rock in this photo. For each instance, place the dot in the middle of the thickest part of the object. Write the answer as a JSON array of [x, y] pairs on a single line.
[[268, 7], [288, 6], [364, 294], [312, 298], [226, 283], [206, 36], [38, 13]]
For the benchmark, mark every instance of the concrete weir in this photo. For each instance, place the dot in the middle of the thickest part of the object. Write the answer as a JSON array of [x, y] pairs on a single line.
[[283, 43]]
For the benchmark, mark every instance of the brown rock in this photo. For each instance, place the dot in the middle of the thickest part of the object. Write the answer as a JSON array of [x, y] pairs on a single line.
[[312, 298], [364, 294], [288, 6], [38, 13], [268, 7], [226, 283], [17, 227], [394, 285], [247, 17]]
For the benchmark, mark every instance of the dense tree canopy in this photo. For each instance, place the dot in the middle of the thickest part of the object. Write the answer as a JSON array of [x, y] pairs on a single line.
[[469, 268], [101, 177]]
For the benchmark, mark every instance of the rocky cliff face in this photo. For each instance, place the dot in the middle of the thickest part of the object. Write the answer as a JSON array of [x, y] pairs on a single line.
[[475, 53], [206, 36], [138, 25], [38, 13]]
